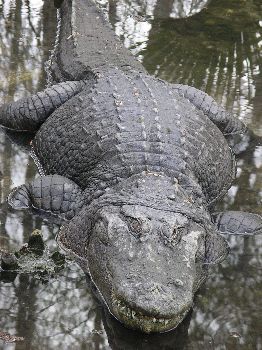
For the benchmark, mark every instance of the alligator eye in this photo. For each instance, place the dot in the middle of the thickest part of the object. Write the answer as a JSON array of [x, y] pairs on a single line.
[[178, 232], [137, 226]]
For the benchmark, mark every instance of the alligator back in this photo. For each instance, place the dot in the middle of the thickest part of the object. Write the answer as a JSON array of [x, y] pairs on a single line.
[[129, 123]]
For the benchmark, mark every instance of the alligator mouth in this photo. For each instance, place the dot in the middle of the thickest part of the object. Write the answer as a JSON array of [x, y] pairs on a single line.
[[135, 319]]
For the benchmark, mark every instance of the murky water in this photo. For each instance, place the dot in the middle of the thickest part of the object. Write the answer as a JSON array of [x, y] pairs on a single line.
[[214, 45]]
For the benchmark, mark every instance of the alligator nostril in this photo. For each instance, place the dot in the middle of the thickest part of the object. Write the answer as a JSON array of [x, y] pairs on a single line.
[[131, 255], [179, 283]]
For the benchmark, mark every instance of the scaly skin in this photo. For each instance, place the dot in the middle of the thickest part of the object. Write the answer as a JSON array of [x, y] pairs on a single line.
[[117, 141], [132, 165], [126, 124]]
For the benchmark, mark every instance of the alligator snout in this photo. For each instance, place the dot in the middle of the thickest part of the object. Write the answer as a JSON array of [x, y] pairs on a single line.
[[154, 299], [152, 306]]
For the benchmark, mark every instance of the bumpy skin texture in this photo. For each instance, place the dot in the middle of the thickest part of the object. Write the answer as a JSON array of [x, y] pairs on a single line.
[[54, 194], [29, 113], [135, 164], [127, 124], [233, 222], [217, 114]]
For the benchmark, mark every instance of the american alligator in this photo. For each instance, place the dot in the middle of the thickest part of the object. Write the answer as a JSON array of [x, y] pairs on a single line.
[[133, 166]]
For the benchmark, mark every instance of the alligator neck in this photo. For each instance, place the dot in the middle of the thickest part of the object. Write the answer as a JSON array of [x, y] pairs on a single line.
[[86, 44], [158, 192]]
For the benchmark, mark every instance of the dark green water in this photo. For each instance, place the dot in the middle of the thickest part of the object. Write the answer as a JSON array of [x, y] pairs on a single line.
[[218, 48]]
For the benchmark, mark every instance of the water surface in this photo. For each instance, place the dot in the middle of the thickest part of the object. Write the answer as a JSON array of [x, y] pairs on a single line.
[[213, 45]]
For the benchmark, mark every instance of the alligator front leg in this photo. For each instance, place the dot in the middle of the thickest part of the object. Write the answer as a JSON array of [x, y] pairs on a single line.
[[238, 223], [51, 195], [224, 120], [27, 114]]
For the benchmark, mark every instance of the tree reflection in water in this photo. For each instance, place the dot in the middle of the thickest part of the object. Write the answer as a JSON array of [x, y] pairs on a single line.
[[213, 45]]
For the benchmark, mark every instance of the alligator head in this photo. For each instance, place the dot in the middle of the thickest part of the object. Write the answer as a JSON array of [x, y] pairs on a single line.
[[145, 263]]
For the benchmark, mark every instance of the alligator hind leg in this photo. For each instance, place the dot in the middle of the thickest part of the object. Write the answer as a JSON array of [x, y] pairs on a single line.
[[27, 114], [224, 120]]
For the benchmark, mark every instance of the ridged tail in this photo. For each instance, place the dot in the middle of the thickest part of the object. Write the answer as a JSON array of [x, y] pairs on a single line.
[[86, 44]]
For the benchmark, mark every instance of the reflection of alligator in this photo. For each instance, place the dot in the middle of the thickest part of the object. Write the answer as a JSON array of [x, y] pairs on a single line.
[[135, 164]]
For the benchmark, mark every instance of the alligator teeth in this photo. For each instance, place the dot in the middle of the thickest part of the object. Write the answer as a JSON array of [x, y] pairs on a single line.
[[132, 314]]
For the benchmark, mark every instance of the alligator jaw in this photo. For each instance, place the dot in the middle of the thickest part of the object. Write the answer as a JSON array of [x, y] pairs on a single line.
[[135, 319]]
